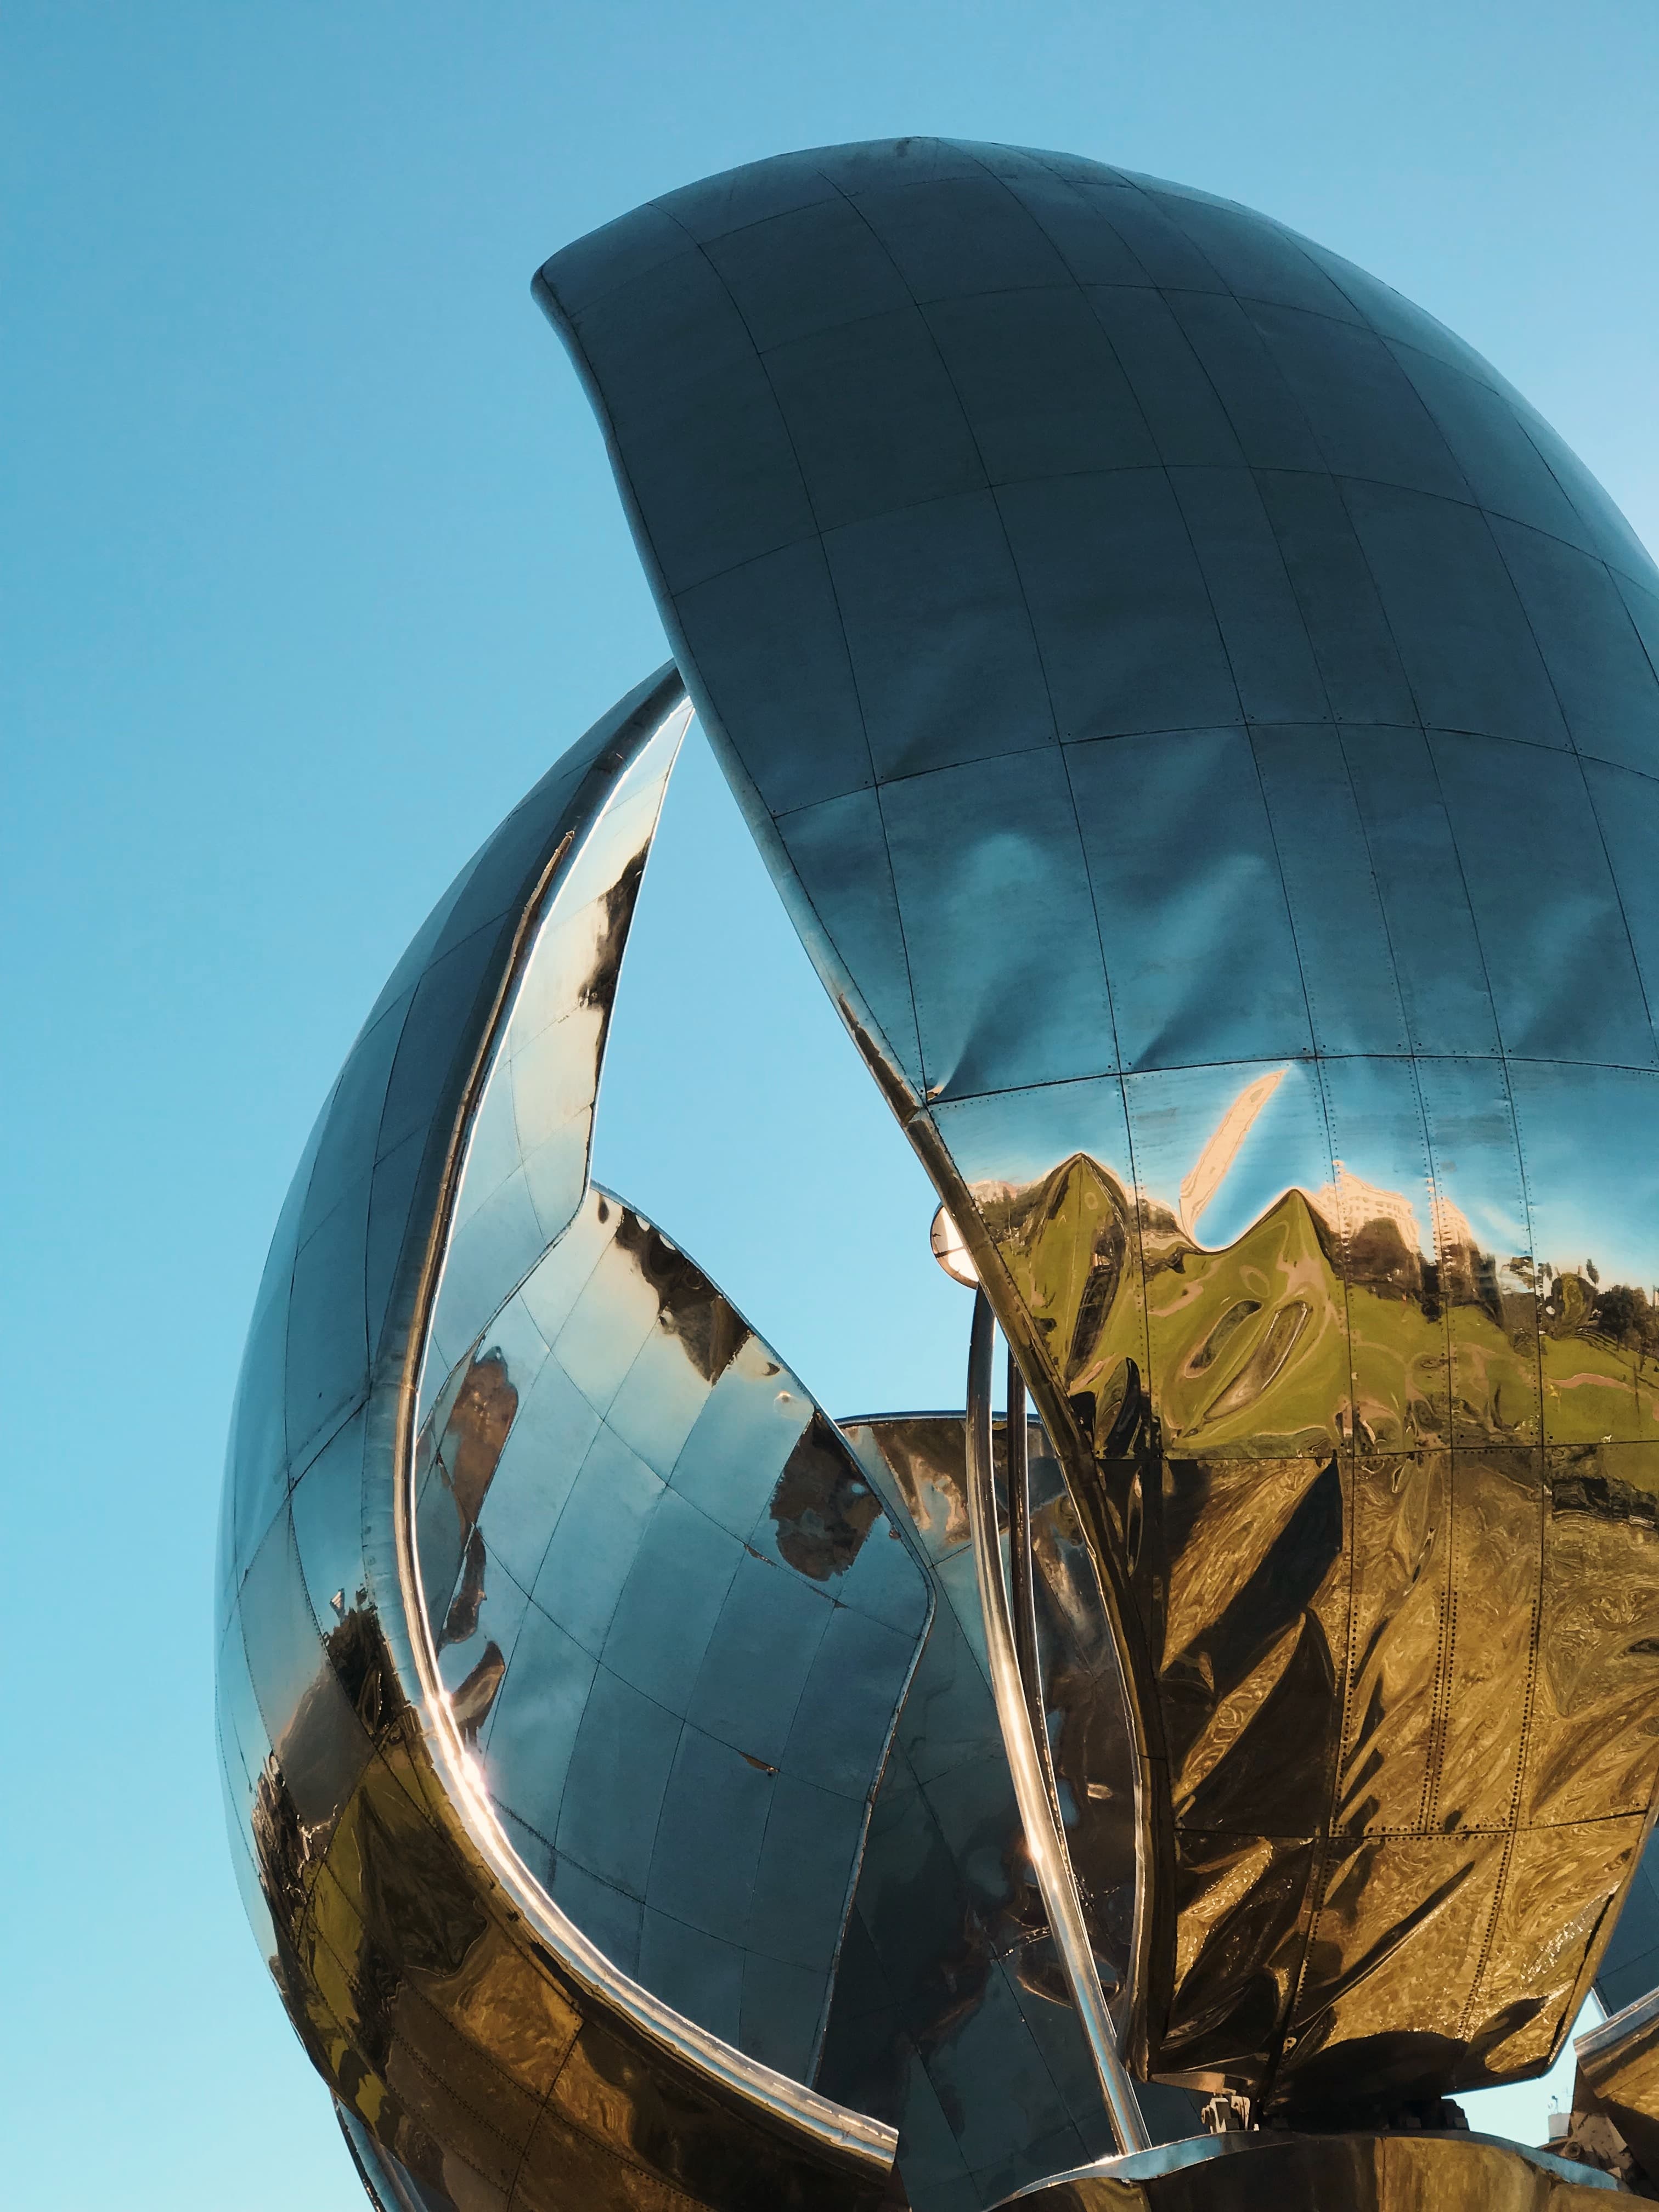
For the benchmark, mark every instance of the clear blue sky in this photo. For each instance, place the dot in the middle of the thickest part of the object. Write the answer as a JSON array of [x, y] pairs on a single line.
[[312, 564]]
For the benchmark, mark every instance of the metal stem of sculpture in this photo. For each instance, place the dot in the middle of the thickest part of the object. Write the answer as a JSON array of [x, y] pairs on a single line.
[[1021, 1583], [1045, 1837]]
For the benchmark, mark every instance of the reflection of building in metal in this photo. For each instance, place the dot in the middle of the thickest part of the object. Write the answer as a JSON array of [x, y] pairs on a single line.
[[1146, 650]]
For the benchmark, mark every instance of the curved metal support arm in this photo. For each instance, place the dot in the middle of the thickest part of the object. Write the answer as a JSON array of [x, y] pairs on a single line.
[[1022, 1581], [1044, 1838]]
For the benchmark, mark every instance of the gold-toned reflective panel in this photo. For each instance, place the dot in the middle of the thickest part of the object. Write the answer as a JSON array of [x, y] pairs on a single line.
[[1275, 2173], [952, 2017], [444, 2027], [920, 1460], [1392, 1652]]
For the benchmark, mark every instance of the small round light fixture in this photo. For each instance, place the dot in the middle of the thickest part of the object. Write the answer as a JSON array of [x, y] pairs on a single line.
[[950, 1252]]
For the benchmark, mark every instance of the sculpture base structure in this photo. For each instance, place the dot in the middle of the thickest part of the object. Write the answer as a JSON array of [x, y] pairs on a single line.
[[1270, 2172]]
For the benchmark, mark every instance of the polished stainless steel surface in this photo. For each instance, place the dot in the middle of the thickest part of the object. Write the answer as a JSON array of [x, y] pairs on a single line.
[[1287, 2173], [492, 2050], [674, 1624], [1216, 784], [952, 2017], [1028, 1760], [1205, 728]]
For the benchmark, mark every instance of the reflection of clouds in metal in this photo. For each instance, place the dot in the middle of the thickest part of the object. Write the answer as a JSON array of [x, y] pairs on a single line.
[[1202, 644], [1153, 657]]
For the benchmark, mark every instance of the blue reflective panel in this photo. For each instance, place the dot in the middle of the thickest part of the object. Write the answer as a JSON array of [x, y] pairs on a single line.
[[327, 1362], [857, 169], [767, 639], [696, 1972], [1166, 254], [1382, 1206], [729, 1462], [1272, 430], [1261, 625], [1188, 885], [350, 1135], [1627, 815], [1358, 661], [1630, 1965], [321, 1742], [1362, 409], [1326, 861], [1040, 383], [1489, 439], [961, 235], [872, 417], [777, 2015], [798, 1899], [598, 1535], [672, 1601], [708, 1840], [716, 207], [943, 566], [1177, 401], [256, 1467], [1464, 637], [1118, 602], [543, 1453], [1093, 253], [1558, 961], [838, 854], [840, 1727], [806, 270], [617, 1778], [750, 1684], [327, 1510], [1259, 260], [1437, 958], [965, 842], [535, 1719], [1608, 692], [765, 508], [618, 252], [479, 1637]]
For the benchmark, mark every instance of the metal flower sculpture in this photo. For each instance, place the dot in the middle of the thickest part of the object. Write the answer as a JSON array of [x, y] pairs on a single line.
[[1203, 725]]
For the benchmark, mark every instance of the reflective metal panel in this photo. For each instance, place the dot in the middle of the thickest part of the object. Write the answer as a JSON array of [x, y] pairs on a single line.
[[682, 1695], [1373, 2173], [1201, 819], [482, 2049], [952, 2015]]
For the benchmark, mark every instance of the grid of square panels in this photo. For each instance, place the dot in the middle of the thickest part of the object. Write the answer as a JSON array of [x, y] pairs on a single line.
[[676, 1621], [1170, 663], [950, 2017], [348, 1873]]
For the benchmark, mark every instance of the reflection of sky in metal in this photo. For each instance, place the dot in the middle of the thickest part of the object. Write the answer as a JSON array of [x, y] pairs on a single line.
[[1151, 655], [1219, 718]]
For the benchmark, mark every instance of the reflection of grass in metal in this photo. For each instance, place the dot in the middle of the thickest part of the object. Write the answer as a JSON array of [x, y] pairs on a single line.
[[1318, 1434]]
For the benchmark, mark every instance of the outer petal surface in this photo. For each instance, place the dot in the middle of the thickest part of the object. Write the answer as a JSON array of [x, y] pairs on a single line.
[[1204, 725]]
